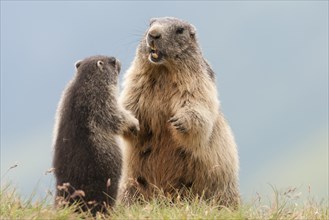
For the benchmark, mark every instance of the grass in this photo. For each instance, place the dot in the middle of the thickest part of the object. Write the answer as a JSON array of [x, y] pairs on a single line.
[[284, 204]]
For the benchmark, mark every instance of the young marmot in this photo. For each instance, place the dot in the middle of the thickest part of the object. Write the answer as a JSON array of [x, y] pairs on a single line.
[[184, 141], [87, 155]]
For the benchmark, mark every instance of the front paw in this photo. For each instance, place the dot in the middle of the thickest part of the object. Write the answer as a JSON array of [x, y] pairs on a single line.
[[180, 123], [134, 126]]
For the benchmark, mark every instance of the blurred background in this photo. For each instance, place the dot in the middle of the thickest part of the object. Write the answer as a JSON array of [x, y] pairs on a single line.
[[270, 58]]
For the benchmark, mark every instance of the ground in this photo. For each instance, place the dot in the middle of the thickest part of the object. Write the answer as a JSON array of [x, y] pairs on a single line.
[[284, 204]]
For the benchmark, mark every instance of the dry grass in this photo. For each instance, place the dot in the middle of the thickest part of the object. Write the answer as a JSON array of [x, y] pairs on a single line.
[[285, 204]]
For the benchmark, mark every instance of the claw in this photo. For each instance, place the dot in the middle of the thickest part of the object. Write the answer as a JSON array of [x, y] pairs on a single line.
[[133, 130], [173, 119]]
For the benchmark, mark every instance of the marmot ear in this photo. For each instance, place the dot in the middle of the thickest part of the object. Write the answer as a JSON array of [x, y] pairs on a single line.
[[192, 31], [152, 20], [77, 64], [100, 64]]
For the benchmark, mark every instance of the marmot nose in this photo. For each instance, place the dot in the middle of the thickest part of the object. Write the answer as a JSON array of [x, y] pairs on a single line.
[[154, 34]]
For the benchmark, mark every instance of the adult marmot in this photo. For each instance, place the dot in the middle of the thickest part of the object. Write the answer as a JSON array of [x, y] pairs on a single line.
[[87, 155], [184, 141]]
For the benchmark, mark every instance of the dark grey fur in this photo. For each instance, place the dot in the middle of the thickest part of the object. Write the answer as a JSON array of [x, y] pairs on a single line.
[[88, 119]]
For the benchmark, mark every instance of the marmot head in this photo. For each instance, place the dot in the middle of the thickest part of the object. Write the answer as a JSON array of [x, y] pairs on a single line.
[[169, 40], [98, 67]]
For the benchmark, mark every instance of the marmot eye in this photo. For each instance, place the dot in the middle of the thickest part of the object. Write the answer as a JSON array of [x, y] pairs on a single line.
[[180, 30]]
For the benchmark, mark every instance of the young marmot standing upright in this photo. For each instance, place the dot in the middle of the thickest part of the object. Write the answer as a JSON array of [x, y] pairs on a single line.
[[87, 155], [184, 141]]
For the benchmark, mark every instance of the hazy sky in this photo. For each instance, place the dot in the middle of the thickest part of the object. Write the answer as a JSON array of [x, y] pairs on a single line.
[[270, 59]]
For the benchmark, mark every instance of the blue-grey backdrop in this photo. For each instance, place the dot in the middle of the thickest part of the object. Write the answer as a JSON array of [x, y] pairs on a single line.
[[270, 58]]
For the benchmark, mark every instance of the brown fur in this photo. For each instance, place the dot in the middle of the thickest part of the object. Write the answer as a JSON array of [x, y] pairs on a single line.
[[184, 141], [87, 122]]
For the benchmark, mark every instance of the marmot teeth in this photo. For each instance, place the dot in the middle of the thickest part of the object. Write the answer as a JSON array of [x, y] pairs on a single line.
[[153, 47], [154, 55]]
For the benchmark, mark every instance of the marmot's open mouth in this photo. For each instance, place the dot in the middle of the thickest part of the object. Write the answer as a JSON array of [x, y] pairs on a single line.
[[155, 55]]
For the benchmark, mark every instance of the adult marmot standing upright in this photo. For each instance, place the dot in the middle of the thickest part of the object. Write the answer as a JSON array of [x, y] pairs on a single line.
[[87, 155], [184, 141]]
